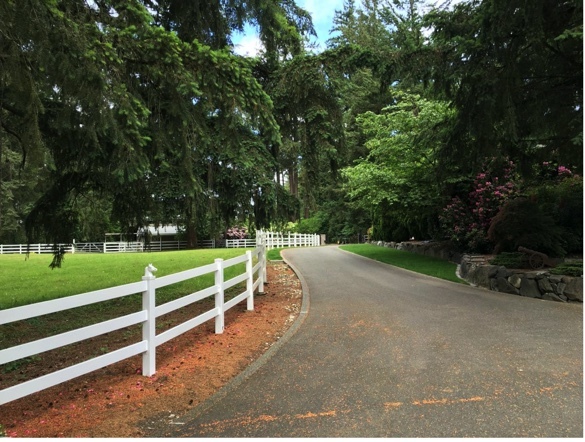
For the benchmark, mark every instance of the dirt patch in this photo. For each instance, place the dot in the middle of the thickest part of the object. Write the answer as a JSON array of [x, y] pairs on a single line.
[[112, 401]]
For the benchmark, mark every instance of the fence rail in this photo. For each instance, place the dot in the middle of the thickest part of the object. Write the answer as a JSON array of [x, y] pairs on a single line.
[[270, 239], [278, 240], [206, 244], [146, 316], [6, 249], [236, 243]]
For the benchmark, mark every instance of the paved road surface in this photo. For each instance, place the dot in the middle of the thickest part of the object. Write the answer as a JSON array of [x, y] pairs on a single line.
[[384, 352]]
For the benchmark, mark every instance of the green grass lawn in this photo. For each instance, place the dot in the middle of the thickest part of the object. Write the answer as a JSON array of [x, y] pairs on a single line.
[[274, 254], [25, 281], [406, 260]]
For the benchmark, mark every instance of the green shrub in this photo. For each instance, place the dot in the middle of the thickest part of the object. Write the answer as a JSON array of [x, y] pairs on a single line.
[[563, 201], [310, 225], [569, 269], [522, 222], [512, 260]]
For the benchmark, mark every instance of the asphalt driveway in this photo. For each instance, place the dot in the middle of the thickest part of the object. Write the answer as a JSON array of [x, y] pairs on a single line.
[[384, 352]]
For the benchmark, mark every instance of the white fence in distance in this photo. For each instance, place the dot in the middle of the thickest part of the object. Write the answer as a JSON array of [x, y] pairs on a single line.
[[278, 240], [240, 243], [6, 249], [146, 317], [103, 247], [270, 239]]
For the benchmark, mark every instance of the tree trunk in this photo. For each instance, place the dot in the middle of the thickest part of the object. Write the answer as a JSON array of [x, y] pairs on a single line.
[[190, 225]]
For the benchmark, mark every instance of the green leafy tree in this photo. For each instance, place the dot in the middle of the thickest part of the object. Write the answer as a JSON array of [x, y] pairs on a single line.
[[400, 172]]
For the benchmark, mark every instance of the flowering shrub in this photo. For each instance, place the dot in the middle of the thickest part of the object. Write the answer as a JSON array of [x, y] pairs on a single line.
[[467, 220], [564, 172], [550, 170], [236, 232]]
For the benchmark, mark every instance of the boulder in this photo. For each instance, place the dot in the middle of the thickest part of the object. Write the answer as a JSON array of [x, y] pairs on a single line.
[[481, 275], [560, 290], [552, 297], [464, 269], [545, 286], [502, 285], [515, 280], [529, 288], [574, 288], [555, 278]]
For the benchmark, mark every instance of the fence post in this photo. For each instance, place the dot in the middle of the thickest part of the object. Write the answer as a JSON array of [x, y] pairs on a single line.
[[262, 269], [148, 327], [250, 281], [219, 296]]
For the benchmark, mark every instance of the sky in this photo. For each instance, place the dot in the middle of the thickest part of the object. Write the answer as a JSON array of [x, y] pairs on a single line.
[[322, 12]]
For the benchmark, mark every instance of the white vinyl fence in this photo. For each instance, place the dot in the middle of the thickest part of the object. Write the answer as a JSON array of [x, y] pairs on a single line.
[[146, 316], [270, 239], [240, 243], [6, 249], [276, 240]]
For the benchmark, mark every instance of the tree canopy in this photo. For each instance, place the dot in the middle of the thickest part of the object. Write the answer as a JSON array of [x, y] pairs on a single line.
[[116, 114]]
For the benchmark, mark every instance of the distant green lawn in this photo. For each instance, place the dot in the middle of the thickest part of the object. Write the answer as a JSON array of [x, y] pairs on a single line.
[[406, 260], [25, 281]]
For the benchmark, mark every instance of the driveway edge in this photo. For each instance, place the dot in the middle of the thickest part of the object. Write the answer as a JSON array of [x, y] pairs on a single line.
[[258, 363]]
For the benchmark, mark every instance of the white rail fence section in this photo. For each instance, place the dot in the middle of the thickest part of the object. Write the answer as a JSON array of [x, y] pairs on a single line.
[[146, 317], [240, 243], [6, 249], [277, 240], [270, 239]]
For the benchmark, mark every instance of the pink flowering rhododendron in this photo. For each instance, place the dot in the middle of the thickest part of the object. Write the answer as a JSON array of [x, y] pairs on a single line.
[[236, 232], [563, 171], [553, 170], [467, 219]]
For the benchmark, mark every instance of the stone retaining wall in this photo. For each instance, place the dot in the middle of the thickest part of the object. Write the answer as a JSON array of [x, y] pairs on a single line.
[[533, 284]]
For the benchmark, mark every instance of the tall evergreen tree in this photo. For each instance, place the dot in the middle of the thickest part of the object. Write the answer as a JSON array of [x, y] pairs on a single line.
[[128, 108], [514, 70]]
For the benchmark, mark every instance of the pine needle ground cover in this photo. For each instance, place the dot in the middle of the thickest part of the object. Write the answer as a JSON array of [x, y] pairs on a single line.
[[417, 263]]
